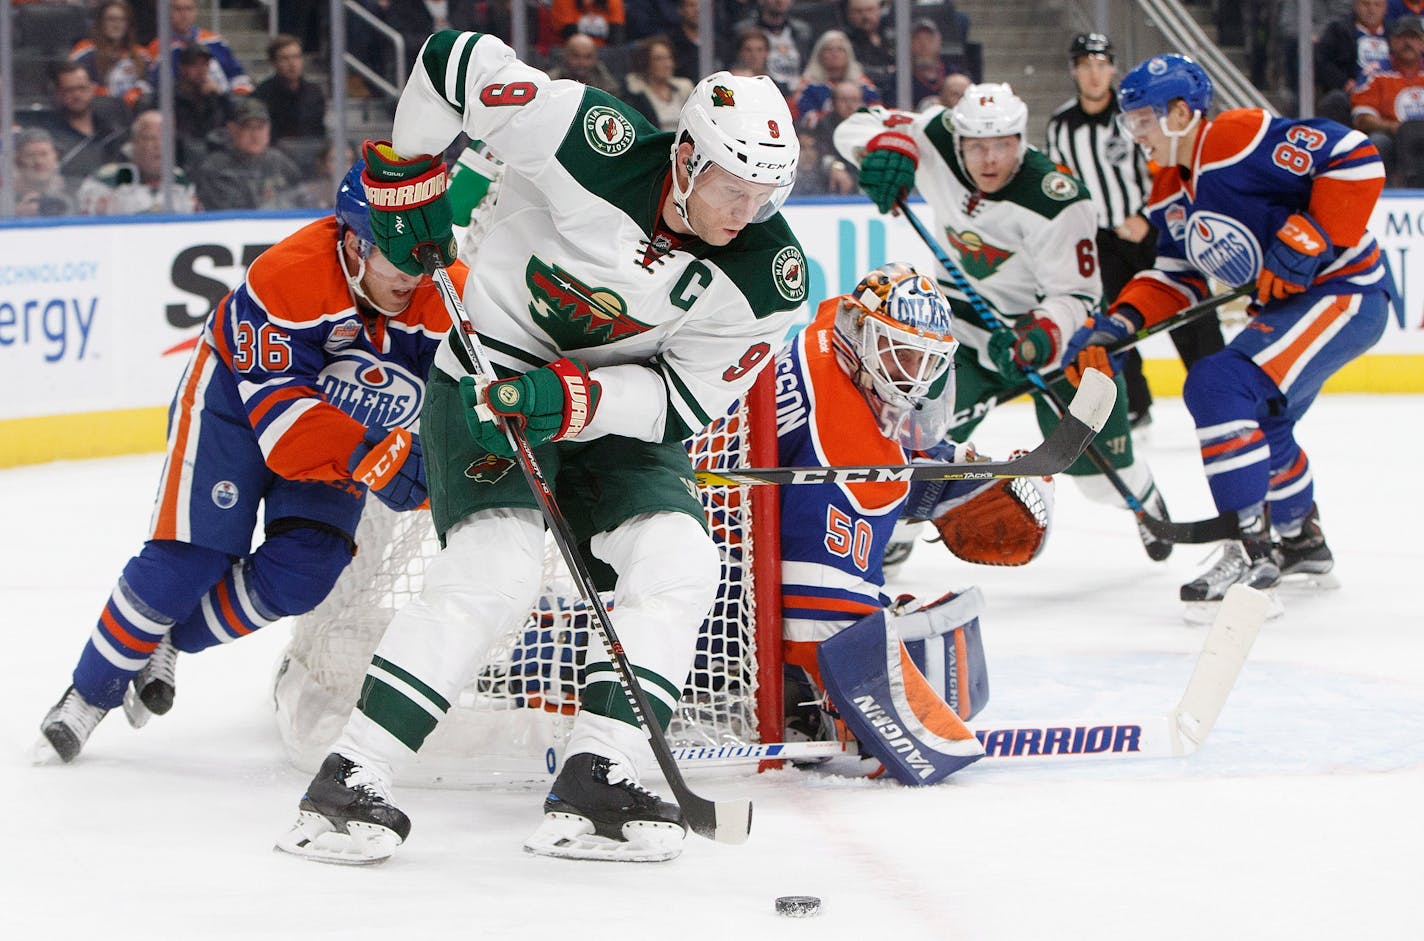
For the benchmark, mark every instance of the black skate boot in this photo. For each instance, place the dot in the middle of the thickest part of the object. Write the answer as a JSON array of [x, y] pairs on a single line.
[[154, 688], [68, 724], [346, 816], [1250, 561], [596, 810], [1157, 549], [1306, 552]]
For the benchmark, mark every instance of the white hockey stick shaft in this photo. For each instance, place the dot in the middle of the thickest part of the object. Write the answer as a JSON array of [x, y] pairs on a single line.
[[1174, 734]]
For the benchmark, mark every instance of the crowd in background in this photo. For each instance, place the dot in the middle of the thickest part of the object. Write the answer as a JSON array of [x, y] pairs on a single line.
[[90, 140], [252, 135]]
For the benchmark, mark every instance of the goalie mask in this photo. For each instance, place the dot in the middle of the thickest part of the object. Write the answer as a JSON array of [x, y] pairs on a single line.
[[742, 125], [893, 337]]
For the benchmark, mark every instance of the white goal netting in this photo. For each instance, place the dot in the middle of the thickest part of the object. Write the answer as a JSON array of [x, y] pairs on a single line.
[[513, 718]]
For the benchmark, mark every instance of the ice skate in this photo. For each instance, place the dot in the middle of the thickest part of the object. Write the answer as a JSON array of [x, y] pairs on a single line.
[[1250, 561], [1306, 554], [152, 691], [69, 723], [346, 816], [1157, 549], [808, 719], [596, 810]]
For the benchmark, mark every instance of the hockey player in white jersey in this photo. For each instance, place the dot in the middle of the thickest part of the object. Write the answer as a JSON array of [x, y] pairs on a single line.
[[632, 284], [1023, 234]]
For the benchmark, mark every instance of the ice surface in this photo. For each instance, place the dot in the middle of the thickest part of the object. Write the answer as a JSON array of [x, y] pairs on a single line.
[[1300, 819]]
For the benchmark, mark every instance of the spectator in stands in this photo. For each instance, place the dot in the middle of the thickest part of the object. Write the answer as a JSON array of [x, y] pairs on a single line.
[[873, 43], [687, 42], [249, 173], [790, 39], [227, 73], [415, 20], [200, 110], [953, 89], [750, 52], [131, 185], [116, 63], [644, 18], [600, 20], [926, 62], [832, 61], [847, 98], [297, 104], [582, 64], [86, 131], [39, 187], [1394, 95], [653, 87], [319, 190], [1349, 49]]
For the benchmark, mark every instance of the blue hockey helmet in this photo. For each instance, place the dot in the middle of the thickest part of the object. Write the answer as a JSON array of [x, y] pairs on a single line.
[[1156, 82], [352, 210]]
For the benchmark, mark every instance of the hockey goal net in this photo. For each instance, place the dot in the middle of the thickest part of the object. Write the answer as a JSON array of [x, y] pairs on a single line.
[[513, 718]]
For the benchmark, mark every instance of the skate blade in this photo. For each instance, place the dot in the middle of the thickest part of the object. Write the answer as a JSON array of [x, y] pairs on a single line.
[[1204, 612], [1305, 581], [314, 837], [134, 710], [570, 836]]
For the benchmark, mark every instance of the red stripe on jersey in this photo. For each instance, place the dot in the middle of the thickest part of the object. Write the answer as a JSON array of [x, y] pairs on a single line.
[[838, 605], [1282, 362], [1362, 264], [255, 416], [1232, 444], [229, 615], [1293, 471], [167, 524], [318, 446], [117, 631]]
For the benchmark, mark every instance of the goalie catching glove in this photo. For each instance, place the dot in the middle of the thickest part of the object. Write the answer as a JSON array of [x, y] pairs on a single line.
[[409, 207], [392, 466], [551, 403], [997, 522]]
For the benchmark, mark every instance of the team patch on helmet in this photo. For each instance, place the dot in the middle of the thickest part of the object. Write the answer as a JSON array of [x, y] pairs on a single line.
[[1059, 186], [722, 97], [788, 270], [489, 469], [607, 131], [1158, 66]]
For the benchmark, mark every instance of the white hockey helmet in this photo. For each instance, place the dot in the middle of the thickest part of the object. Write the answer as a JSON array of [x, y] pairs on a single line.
[[893, 335], [741, 124], [990, 109]]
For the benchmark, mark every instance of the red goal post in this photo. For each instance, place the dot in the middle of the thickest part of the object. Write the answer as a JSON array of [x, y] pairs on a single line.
[[512, 720]]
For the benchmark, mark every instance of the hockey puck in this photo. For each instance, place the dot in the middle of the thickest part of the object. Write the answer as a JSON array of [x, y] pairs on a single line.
[[798, 906]]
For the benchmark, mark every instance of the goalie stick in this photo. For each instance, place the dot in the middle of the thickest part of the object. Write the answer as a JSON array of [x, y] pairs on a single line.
[[989, 322], [1177, 733], [1080, 424], [727, 821]]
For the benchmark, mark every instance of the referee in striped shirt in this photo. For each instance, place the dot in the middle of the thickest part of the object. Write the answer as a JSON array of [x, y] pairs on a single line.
[[1083, 136]]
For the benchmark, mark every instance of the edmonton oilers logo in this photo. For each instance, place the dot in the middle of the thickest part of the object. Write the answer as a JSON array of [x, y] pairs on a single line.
[[375, 393], [225, 494], [1222, 248]]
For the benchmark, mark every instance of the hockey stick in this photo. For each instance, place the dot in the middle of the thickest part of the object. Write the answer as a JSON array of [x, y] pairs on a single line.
[[1085, 417], [989, 322], [722, 821], [1195, 312], [1178, 733]]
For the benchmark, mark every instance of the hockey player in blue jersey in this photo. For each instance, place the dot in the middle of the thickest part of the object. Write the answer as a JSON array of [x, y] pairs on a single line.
[[1282, 203], [870, 381], [302, 395]]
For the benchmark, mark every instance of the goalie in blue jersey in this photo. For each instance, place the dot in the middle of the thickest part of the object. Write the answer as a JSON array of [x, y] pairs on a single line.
[[870, 381]]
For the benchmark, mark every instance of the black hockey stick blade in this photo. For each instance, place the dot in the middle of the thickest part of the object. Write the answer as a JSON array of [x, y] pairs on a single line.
[[1215, 529], [1085, 417]]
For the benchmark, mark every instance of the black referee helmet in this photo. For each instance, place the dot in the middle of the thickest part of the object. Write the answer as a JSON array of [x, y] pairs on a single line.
[[1090, 44]]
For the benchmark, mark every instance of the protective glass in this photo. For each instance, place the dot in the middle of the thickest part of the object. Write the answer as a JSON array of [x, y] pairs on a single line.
[[756, 202], [1138, 122]]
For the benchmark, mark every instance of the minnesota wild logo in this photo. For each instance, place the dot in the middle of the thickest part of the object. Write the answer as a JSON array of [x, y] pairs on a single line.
[[489, 469], [607, 131], [722, 97], [574, 314], [977, 257]]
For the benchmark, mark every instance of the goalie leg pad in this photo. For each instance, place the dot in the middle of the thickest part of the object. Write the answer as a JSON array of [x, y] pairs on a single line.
[[943, 640], [1005, 523], [886, 702]]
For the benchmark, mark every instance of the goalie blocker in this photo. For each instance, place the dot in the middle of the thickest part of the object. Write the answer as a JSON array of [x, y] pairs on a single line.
[[904, 679]]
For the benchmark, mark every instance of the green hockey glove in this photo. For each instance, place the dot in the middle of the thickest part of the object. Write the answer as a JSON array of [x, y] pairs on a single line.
[[409, 207]]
